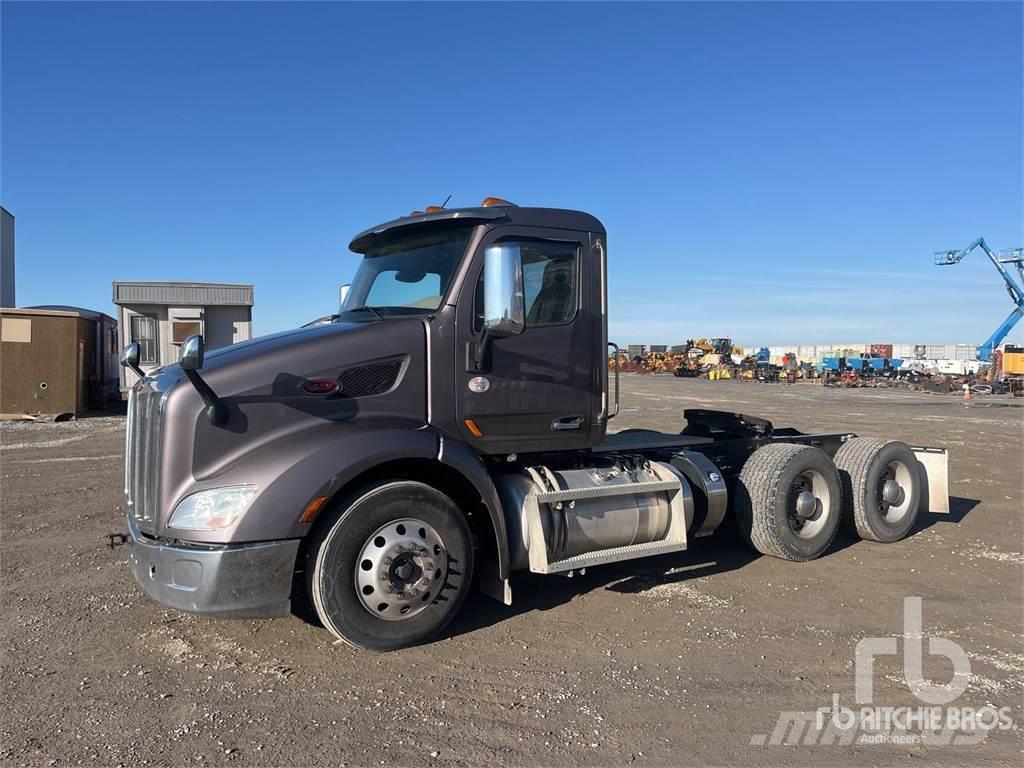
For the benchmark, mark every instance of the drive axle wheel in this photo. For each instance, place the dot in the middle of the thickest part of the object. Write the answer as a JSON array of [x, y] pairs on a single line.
[[881, 487], [390, 567], [788, 501]]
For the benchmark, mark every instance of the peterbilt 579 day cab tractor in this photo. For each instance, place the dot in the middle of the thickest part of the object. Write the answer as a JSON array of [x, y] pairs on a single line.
[[453, 421]]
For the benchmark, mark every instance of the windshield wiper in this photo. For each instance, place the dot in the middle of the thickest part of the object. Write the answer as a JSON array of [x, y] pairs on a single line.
[[378, 315]]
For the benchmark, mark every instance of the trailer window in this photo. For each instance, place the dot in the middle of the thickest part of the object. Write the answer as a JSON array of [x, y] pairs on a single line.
[[143, 333], [182, 329]]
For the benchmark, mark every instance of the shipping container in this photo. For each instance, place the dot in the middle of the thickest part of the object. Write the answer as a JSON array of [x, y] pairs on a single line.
[[57, 360], [881, 350]]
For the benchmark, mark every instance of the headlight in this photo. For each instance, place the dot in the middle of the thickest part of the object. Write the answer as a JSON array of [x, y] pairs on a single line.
[[213, 509]]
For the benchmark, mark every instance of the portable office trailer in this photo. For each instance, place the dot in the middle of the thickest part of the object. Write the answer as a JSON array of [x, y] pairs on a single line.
[[56, 360], [159, 316]]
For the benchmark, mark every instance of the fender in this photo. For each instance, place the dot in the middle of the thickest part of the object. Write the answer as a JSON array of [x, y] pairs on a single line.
[[468, 463], [292, 471]]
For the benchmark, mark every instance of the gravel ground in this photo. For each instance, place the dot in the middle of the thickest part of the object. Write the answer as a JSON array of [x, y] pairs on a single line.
[[684, 659]]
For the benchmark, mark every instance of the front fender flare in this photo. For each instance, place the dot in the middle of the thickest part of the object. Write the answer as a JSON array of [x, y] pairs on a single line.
[[304, 466], [468, 463]]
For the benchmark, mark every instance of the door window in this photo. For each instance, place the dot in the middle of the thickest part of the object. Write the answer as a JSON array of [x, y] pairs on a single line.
[[143, 333], [550, 283]]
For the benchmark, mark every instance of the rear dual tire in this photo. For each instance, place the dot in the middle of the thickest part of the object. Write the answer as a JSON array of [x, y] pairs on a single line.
[[789, 501], [790, 498], [881, 487]]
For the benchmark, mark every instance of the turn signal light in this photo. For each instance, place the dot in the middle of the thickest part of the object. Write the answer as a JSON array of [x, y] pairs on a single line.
[[474, 428], [490, 202], [313, 509]]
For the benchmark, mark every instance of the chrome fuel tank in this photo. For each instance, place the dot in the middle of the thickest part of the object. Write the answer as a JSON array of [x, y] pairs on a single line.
[[597, 509]]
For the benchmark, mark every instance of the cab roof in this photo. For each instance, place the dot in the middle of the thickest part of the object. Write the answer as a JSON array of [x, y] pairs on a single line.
[[555, 218]]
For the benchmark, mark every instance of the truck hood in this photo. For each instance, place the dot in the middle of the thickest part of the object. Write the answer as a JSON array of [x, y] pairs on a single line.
[[218, 358], [273, 421]]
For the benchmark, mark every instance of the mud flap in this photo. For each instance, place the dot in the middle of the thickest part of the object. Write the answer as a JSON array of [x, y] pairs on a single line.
[[933, 465]]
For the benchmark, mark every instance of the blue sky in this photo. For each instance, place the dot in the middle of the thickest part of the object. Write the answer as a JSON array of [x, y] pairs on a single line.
[[780, 173]]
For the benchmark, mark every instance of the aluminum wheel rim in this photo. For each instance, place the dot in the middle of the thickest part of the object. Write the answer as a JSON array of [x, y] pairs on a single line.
[[893, 491], [401, 569], [810, 504]]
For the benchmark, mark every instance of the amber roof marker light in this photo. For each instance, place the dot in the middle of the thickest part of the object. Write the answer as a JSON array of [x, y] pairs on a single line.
[[434, 208], [496, 202]]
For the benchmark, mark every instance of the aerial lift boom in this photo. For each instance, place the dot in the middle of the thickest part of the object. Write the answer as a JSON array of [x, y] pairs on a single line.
[[1014, 256]]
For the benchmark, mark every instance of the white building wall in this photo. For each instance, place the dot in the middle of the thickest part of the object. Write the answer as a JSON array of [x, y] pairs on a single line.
[[227, 325]]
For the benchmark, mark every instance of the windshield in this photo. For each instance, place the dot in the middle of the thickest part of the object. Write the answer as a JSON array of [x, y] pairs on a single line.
[[406, 277]]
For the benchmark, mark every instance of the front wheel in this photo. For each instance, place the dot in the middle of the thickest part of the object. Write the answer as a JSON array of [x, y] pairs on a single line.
[[390, 568]]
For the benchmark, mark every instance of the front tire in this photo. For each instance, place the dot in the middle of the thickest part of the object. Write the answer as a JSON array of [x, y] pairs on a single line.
[[881, 487], [788, 501], [390, 567]]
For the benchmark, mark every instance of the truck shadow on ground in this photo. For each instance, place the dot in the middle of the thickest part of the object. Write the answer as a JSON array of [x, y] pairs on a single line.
[[720, 553]]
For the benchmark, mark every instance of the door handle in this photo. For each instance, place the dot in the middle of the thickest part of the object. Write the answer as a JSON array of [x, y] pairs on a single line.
[[567, 422]]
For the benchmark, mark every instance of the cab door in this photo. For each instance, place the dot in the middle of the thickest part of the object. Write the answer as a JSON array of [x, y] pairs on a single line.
[[537, 393]]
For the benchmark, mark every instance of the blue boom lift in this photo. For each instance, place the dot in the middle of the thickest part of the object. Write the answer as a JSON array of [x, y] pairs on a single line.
[[1015, 257]]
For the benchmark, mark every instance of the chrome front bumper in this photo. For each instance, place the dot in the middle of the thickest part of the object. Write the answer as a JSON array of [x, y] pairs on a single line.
[[244, 581]]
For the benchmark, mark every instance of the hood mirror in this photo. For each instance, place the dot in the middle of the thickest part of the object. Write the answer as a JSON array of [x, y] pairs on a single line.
[[191, 356], [191, 360], [130, 359]]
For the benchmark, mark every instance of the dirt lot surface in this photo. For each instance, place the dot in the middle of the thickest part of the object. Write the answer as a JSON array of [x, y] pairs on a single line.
[[686, 659]]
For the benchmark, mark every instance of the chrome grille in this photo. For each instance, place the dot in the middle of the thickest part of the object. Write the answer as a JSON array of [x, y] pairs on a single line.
[[142, 452]]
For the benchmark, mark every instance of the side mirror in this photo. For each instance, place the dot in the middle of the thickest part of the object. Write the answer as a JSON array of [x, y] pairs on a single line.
[[504, 313], [343, 294], [191, 360], [130, 359], [191, 357]]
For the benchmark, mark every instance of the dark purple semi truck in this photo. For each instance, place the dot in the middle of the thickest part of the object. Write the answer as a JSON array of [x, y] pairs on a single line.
[[451, 425]]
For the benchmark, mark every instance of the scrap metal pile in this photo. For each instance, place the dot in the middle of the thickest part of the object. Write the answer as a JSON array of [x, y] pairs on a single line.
[[719, 359]]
